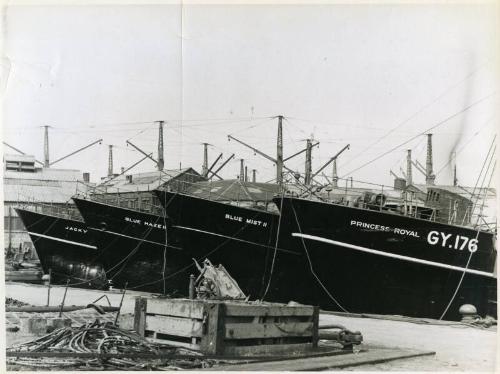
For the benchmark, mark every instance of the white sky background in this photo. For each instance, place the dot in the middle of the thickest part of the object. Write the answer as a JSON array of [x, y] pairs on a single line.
[[340, 73]]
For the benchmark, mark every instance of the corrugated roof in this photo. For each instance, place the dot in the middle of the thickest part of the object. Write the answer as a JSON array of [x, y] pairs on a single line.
[[234, 190], [18, 158], [44, 185], [46, 193], [145, 181], [45, 174]]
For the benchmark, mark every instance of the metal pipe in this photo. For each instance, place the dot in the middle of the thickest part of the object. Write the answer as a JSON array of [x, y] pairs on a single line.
[[52, 309], [331, 160], [144, 153], [299, 152], [214, 173], [78, 150], [279, 152], [48, 289], [121, 303], [21, 152], [64, 298]]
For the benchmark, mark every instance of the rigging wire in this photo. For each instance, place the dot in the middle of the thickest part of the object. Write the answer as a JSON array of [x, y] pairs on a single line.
[[463, 146], [310, 263], [415, 114], [468, 261], [422, 133], [275, 250]]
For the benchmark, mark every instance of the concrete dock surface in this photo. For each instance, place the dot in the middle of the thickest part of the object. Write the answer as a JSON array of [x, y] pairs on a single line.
[[457, 346]]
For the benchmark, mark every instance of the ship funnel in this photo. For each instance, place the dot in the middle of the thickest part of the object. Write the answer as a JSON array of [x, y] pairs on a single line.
[[204, 168], [429, 175], [335, 177], [110, 161], [242, 170]]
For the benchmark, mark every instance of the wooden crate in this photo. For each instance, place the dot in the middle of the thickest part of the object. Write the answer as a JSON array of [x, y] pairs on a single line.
[[228, 327]]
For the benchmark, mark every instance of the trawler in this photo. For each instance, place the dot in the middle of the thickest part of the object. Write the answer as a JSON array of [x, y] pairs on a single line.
[[65, 247]]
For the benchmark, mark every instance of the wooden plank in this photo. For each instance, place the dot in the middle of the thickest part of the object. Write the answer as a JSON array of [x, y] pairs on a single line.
[[176, 326], [233, 309], [176, 307], [140, 315], [212, 342], [266, 349], [373, 356], [268, 330], [315, 328], [174, 343]]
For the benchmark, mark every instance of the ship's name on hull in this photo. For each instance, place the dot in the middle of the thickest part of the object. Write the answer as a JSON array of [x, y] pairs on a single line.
[[376, 227], [137, 221], [76, 229], [249, 221]]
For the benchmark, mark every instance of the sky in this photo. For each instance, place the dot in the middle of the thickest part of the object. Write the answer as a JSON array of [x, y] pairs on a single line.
[[372, 76]]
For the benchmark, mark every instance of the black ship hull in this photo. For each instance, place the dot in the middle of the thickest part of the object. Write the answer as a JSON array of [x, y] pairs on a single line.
[[242, 239], [375, 262], [66, 248], [136, 250]]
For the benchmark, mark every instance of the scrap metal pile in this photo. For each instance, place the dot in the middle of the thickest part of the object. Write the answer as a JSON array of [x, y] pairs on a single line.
[[98, 346]]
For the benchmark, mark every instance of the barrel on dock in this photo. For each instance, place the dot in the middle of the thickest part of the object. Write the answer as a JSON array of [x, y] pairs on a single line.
[[228, 327]]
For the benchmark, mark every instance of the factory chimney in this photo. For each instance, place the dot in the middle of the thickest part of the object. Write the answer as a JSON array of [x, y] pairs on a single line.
[[279, 152], [242, 170], [46, 162], [307, 178], [254, 177], [110, 161], [246, 173], [409, 176], [429, 176], [335, 177], [161, 161], [204, 168]]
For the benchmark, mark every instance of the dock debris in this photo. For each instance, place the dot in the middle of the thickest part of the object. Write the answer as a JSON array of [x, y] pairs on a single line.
[[97, 346], [215, 283]]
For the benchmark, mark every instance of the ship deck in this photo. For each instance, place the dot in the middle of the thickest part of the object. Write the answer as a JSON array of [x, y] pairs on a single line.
[[457, 347]]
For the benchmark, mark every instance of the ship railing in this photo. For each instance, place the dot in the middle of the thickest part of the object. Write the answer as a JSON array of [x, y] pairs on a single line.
[[124, 198], [65, 210]]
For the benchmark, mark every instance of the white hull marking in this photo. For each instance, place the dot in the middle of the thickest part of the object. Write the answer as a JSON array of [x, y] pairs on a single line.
[[399, 257], [63, 240]]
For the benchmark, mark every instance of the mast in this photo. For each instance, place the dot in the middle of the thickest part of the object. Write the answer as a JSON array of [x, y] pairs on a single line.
[[429, 176], [307, 177], [409, 176], [279, 152], [161, 161], [46, 161]]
